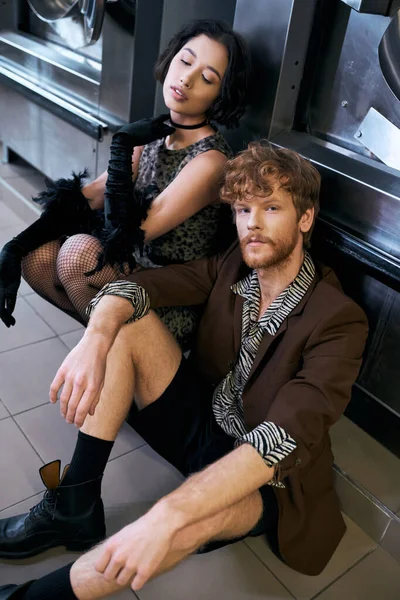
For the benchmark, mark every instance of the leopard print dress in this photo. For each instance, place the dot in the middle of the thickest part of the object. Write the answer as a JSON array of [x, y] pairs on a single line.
[[195, 238]]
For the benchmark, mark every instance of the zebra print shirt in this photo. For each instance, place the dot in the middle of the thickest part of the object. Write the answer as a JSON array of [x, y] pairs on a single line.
[[271, 441], [133, 292]]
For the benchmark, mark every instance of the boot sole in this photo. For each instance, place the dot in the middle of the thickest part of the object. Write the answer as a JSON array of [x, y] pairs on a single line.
[[70, 546]]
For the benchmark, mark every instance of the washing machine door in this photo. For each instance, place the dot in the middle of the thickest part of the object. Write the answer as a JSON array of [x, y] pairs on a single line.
[[78, 22]]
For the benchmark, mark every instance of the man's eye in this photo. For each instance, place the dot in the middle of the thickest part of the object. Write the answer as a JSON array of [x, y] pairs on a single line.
[[272, 208]]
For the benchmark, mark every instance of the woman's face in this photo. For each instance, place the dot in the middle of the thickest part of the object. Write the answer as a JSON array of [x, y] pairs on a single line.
[[194, 78]]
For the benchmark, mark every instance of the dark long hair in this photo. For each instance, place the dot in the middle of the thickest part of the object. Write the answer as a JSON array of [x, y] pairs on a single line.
[[231, 102]]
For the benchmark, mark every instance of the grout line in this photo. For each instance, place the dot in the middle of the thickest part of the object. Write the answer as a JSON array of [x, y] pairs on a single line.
[[125, 453], [28, 440], [21, 198], [344, 573], [268, 569], [29, 344], [22, 412], [20, 501], [43, 318]]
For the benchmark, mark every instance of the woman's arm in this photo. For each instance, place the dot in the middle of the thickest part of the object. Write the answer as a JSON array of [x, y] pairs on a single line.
[[94, 191], [196, 186]]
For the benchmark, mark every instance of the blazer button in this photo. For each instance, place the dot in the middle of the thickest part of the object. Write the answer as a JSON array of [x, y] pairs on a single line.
[[297, 462]]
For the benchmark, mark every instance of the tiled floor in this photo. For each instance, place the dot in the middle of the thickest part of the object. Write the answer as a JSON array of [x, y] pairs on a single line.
[[32, 433]]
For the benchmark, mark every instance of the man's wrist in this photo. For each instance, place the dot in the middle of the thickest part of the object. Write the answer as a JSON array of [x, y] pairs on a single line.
[[165, 511]]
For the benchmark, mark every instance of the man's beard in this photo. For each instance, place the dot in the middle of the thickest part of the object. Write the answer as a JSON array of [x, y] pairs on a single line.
[[278, 251]]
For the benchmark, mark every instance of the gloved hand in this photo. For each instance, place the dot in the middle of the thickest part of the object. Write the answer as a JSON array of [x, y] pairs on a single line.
[[146, 130], [10, 279]]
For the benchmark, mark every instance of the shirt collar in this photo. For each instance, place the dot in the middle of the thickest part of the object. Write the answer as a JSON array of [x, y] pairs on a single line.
[[288, 299]]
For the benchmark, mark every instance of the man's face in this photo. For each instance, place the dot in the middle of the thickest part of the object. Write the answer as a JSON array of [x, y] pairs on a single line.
[[269, 230]]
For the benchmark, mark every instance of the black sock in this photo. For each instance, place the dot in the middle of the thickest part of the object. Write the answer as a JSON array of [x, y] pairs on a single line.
[[55, 585], [89, 459]]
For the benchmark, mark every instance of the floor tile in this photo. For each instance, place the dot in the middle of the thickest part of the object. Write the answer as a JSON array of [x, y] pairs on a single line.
[[29, 328], [377, 576], [71, 339], [53, 316], [22, 206], [353, 546], [391, 539], [367, 461], [8, 233], [3, 411], [8, 218], [15, 169], [19, 465], [38, 363], [53, 438], [231, 573], [133, 483], [29, 186], [361, 508], [25, 289], [18, 571]]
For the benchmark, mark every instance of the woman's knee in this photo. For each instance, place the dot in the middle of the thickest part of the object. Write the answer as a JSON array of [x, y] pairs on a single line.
[[77, 255]]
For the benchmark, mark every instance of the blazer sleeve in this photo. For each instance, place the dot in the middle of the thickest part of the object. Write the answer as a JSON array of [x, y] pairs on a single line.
[[308, 405]]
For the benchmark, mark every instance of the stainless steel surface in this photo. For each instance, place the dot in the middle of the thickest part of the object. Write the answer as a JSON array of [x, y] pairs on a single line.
[[78, 22], [389, 55], [347, 69], [358, 194], [91, 90], [51, 10], [381, 137], [128, 86], [54, 104], [47, 142], [376, 7], [54, 68]]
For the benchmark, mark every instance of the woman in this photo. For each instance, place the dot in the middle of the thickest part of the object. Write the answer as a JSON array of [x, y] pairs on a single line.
[[204, 71]]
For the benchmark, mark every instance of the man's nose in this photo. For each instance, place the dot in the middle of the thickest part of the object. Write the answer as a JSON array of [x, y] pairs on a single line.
[[253, 222]]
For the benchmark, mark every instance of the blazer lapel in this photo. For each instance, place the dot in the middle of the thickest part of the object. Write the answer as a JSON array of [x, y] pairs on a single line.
[[268, 339], [237, 322], [266, 342]]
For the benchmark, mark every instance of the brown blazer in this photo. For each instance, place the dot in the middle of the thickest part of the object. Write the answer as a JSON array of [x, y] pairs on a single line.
[[301, 380]]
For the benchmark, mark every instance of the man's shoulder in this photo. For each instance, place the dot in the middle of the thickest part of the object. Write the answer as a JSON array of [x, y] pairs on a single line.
[[328, 297]]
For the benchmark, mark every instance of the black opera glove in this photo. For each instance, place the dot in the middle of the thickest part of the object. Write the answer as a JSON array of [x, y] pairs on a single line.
[[66, 212], [146, 131], [10, 279], [125, 208]]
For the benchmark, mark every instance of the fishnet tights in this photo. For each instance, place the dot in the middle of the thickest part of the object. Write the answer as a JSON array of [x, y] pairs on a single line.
[[57, 273]]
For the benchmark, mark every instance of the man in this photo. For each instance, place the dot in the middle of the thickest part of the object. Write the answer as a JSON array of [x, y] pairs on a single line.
[[247, 416]]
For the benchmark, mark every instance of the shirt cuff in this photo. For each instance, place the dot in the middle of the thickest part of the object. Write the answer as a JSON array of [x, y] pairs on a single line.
[[272, 443], [133, 292]]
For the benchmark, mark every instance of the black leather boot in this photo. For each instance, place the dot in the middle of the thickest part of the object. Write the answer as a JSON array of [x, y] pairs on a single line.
[[70, 516], [13, 592]]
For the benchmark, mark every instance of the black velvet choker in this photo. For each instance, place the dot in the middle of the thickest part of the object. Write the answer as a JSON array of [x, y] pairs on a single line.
[[179, 126]]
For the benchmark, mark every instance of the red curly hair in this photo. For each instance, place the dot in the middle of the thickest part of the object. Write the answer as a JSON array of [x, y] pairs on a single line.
[[256, 170]]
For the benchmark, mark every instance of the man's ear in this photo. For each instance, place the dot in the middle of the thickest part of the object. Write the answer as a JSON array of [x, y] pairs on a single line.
[[307, 220]]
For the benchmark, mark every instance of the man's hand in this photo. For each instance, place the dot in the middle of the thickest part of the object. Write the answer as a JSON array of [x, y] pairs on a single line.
[[82, 374], [134, 554]]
